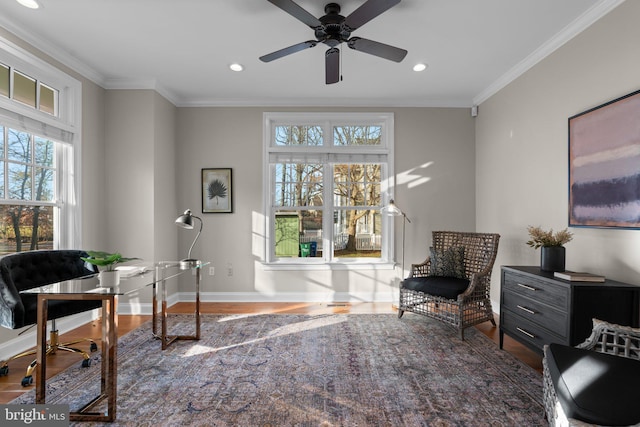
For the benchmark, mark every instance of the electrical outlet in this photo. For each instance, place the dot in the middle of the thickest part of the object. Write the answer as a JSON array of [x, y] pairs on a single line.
[[212, 271], [229, 269]]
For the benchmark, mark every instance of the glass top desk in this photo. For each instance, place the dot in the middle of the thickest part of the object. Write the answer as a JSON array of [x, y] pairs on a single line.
[[88, 288]]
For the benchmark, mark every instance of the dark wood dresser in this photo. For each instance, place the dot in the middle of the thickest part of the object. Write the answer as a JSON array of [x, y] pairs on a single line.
[[537, 309]]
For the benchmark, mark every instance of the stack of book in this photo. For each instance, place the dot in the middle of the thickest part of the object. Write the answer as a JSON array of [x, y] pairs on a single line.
[[575, 276]]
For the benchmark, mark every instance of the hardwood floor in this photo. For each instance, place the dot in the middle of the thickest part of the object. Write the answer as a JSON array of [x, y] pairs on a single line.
[[11, 388]]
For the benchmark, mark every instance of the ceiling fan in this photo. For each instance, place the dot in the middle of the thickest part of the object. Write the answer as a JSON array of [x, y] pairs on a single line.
[[333, 29]]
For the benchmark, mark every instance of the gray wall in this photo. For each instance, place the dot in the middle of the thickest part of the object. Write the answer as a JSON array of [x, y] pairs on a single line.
[[140, 190], [435, 168], [521, 141]]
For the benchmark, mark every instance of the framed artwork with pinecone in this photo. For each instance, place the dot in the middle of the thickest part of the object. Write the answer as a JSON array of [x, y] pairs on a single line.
[[217, 190]]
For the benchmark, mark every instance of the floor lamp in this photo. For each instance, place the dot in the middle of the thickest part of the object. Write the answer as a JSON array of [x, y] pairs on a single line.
[[186, 221], [392, 210]]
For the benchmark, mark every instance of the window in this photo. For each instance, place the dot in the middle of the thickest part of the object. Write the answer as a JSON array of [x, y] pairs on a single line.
[[327, 178], [27, 191], [38, 138], [27, 90], [4, 80]]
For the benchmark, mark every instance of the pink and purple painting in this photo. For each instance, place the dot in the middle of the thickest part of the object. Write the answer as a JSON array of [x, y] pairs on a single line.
[[604, 165]]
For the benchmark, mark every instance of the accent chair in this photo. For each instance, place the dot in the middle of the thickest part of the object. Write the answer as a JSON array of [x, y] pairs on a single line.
[[452, 284]]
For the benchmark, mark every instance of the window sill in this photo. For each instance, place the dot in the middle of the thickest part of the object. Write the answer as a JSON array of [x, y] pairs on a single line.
[[336, 265]]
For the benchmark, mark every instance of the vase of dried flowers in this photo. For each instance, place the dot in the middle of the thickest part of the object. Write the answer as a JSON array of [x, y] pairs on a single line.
[[552, 258], [552, 250]]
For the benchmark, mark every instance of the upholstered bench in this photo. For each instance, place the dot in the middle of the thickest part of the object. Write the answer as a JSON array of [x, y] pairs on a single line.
[[596, 383]]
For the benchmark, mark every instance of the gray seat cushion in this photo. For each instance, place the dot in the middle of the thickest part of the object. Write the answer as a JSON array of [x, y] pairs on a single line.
[[598, 388], [446, 287]]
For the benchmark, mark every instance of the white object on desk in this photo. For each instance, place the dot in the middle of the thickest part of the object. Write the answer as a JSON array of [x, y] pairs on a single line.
[[131, 270]]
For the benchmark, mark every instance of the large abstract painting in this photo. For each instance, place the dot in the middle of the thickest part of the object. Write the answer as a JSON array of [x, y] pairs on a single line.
[[604, 165]]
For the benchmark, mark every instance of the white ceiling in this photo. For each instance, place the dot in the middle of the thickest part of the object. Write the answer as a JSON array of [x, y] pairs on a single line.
[[182, 48]]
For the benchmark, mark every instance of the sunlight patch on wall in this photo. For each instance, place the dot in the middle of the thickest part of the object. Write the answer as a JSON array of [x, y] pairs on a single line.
[[414, 177], [258, 235]]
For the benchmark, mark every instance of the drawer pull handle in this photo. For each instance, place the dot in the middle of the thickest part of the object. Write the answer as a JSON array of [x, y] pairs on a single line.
[[526, 309], [529, 334], [529, 288]]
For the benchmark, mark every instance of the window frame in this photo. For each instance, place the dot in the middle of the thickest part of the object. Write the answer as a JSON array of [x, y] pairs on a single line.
[[64, 128], [331, 154]]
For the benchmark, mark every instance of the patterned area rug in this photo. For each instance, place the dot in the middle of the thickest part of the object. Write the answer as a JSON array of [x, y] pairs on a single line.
[[312, 370]]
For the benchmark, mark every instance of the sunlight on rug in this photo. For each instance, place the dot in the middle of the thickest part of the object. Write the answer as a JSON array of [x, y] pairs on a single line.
[[305, 370]]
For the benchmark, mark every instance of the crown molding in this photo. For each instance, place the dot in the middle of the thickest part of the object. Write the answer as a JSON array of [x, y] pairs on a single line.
[[141, 84], [580, 24], [54, 52], [327, 102]]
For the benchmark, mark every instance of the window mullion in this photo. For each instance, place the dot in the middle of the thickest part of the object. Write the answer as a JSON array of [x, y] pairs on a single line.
[[327, 226]]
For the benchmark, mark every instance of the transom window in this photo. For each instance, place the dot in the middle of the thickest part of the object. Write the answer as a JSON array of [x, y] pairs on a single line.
[[27, 90], [327, 178]]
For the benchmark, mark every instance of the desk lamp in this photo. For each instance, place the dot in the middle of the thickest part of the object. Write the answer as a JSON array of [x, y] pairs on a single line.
[[186, 221]]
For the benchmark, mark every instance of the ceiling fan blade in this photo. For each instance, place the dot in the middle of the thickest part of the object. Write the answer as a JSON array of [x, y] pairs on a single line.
[[332, 65], [376, 48], [288, 50], [367, 12], [297, 12]]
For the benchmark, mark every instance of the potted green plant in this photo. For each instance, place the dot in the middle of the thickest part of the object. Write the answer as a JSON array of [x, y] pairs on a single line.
[[552, 252], [108, 276]]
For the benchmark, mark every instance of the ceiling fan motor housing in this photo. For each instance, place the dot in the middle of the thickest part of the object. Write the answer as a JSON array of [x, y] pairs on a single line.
[[332, 32]]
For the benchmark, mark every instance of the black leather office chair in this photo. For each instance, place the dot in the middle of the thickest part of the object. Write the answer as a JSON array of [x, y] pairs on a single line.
[[27, 270]]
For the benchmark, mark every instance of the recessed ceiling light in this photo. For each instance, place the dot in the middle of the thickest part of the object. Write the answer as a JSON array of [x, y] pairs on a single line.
[[420, 67], [31, 4], [236, 67]]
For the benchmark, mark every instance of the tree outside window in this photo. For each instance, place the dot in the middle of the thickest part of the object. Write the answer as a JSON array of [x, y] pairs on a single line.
[[27, 188]]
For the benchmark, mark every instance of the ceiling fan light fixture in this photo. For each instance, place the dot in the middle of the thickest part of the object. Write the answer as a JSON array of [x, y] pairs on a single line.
[[31, 4], [236, 67], [419, 67]]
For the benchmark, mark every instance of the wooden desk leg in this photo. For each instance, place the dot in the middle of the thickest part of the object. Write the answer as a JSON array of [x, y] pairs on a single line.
[[154, 309], [197, 314], [41, 355], [154, 303], [163, 296], [110, 338], [167, 340]]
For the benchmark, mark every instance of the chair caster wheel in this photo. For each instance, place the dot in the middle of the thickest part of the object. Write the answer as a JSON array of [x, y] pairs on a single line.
[[4, 370], [27, 381], [400, 313], [93, 347], [86, 363]]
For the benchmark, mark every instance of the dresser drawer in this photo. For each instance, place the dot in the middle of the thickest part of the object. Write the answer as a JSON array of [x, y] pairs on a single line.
[[536, 312], [536, 308], [537, 290], [524, 330]]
